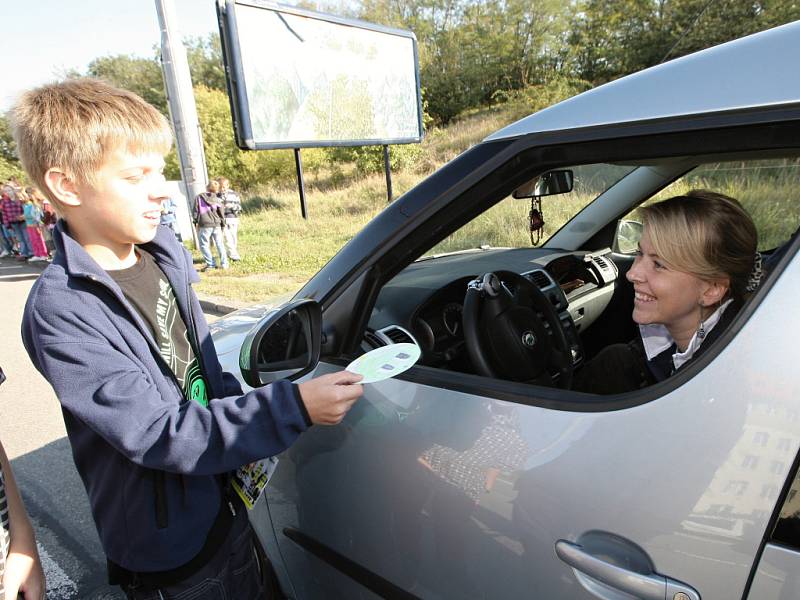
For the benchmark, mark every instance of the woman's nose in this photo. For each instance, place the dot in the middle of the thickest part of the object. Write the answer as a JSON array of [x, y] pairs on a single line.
[[634, 274]]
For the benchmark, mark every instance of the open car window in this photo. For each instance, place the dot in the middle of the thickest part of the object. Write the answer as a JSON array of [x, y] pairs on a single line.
[[586, 287], [767, 189], [506, 224]]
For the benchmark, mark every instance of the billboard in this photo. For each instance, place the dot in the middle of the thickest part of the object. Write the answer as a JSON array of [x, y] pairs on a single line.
[[300, 79]]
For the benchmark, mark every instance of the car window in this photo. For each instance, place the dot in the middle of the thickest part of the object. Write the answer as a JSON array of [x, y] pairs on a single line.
[[506, 225], [766, 188]]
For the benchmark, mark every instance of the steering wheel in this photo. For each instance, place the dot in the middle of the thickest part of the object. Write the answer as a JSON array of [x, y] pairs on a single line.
[[515, 335]]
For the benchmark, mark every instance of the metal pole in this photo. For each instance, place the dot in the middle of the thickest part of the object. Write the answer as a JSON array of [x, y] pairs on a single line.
[[387, 167], [182, 108], [302, 188]]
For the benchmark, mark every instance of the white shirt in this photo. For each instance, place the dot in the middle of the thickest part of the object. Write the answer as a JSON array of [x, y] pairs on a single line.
[[656, 338]]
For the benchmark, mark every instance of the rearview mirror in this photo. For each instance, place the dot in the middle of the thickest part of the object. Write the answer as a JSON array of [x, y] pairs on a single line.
[[283, 345], [559, 181], [626, 239]]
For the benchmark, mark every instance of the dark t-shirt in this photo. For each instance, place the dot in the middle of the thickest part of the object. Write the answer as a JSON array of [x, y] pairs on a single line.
[[147, 289]]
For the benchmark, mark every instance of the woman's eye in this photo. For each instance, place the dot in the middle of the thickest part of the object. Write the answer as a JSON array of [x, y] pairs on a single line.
[[659, 265]]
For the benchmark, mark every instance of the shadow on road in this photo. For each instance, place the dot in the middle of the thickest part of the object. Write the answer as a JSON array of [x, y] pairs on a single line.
[[58, 506]]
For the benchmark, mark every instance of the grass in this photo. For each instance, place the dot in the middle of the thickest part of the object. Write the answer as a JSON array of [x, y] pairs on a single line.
[[280, 250]]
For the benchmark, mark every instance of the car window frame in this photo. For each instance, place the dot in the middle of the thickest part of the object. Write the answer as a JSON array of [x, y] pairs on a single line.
[[742, 131]]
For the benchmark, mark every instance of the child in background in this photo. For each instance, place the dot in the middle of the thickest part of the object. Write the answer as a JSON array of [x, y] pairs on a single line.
[[14, 219], [33, 221], [232, 206], [49, 220]]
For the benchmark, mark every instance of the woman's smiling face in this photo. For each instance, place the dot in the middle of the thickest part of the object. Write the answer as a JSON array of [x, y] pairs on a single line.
[[663, 294]]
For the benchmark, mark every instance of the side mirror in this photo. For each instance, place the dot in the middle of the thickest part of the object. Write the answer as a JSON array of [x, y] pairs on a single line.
[[627, 236], [559, 181], [283, 345]]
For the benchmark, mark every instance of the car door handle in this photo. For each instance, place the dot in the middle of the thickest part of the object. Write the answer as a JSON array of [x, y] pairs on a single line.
[[640, 585]]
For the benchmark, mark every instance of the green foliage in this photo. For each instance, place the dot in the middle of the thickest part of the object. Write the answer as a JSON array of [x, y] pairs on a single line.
[[9, 163], [205, 61], [8, 149], [10, 169], [139, 75], [244, 169]]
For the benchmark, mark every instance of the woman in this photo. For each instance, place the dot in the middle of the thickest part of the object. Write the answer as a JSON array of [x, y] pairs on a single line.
[[696, 265]]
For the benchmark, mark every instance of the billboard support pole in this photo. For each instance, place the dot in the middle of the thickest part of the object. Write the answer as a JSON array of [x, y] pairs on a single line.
[[301, 187], [387, 167], [182, 108]]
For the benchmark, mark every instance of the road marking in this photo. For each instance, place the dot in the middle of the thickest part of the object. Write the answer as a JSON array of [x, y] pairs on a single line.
[[59, 585]]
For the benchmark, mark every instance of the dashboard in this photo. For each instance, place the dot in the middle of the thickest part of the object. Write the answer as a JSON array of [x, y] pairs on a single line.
[[425, 300]]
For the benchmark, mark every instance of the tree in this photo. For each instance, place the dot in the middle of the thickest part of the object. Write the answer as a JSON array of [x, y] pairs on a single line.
[[139, 75], [205, 61], [245, 168]]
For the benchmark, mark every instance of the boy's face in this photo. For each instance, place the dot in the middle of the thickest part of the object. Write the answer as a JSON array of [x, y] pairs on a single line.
[[123, 205]]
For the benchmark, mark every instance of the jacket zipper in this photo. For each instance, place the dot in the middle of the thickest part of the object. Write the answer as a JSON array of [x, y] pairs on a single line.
[[159, 479]]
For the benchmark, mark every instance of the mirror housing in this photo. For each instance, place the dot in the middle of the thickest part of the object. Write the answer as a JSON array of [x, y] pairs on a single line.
[[285, 344], [627, 236], [558, 181]]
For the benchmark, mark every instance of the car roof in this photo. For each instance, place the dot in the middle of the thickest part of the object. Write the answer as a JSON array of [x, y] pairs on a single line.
[[755, 71]]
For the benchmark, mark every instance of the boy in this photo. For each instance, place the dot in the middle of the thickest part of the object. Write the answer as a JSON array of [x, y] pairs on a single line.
[[155, 425]]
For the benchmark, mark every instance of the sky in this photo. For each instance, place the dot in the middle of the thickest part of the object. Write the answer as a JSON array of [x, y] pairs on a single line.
[[45, 38]]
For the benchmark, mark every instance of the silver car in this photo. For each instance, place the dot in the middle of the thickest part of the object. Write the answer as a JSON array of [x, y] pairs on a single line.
[[480, 473]]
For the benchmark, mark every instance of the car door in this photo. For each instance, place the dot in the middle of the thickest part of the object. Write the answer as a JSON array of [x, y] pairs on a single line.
[[435, 489]]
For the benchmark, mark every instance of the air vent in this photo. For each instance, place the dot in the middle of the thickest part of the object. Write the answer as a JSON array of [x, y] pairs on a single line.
[[396, 335], [601, 262], [373, 339], [540, 278]]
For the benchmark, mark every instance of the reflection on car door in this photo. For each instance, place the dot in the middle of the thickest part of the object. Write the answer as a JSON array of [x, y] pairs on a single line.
[[445, 494]]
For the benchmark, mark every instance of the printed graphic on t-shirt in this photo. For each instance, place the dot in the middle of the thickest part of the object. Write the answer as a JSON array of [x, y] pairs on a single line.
[[166, 314], [194, 387], [151, 295], [179, 357]]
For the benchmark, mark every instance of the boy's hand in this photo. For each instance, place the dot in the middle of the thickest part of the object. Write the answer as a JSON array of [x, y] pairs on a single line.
[[329, 397]]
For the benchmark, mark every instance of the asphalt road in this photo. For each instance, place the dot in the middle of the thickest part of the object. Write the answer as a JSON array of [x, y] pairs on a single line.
[[33, 435]]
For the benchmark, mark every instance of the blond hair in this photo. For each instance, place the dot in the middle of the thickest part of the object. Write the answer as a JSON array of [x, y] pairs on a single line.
[[706, 234], [73, 125], [35, 195]]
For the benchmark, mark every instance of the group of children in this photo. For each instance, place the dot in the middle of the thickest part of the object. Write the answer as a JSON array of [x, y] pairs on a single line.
[[216, 215], [158, 430], [28, 219]]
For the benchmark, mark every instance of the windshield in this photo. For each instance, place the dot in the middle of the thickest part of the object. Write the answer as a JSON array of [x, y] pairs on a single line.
[[507, 223]]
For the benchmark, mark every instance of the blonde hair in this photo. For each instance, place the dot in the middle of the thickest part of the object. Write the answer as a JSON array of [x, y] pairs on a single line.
[[73, 125], [706, 234], [35, 195]]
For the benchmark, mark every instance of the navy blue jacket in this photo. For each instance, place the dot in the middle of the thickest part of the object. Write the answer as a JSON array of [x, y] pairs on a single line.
[[127, 420]]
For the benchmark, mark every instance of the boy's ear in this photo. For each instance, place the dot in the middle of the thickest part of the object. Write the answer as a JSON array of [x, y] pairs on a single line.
[[62, 186]]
